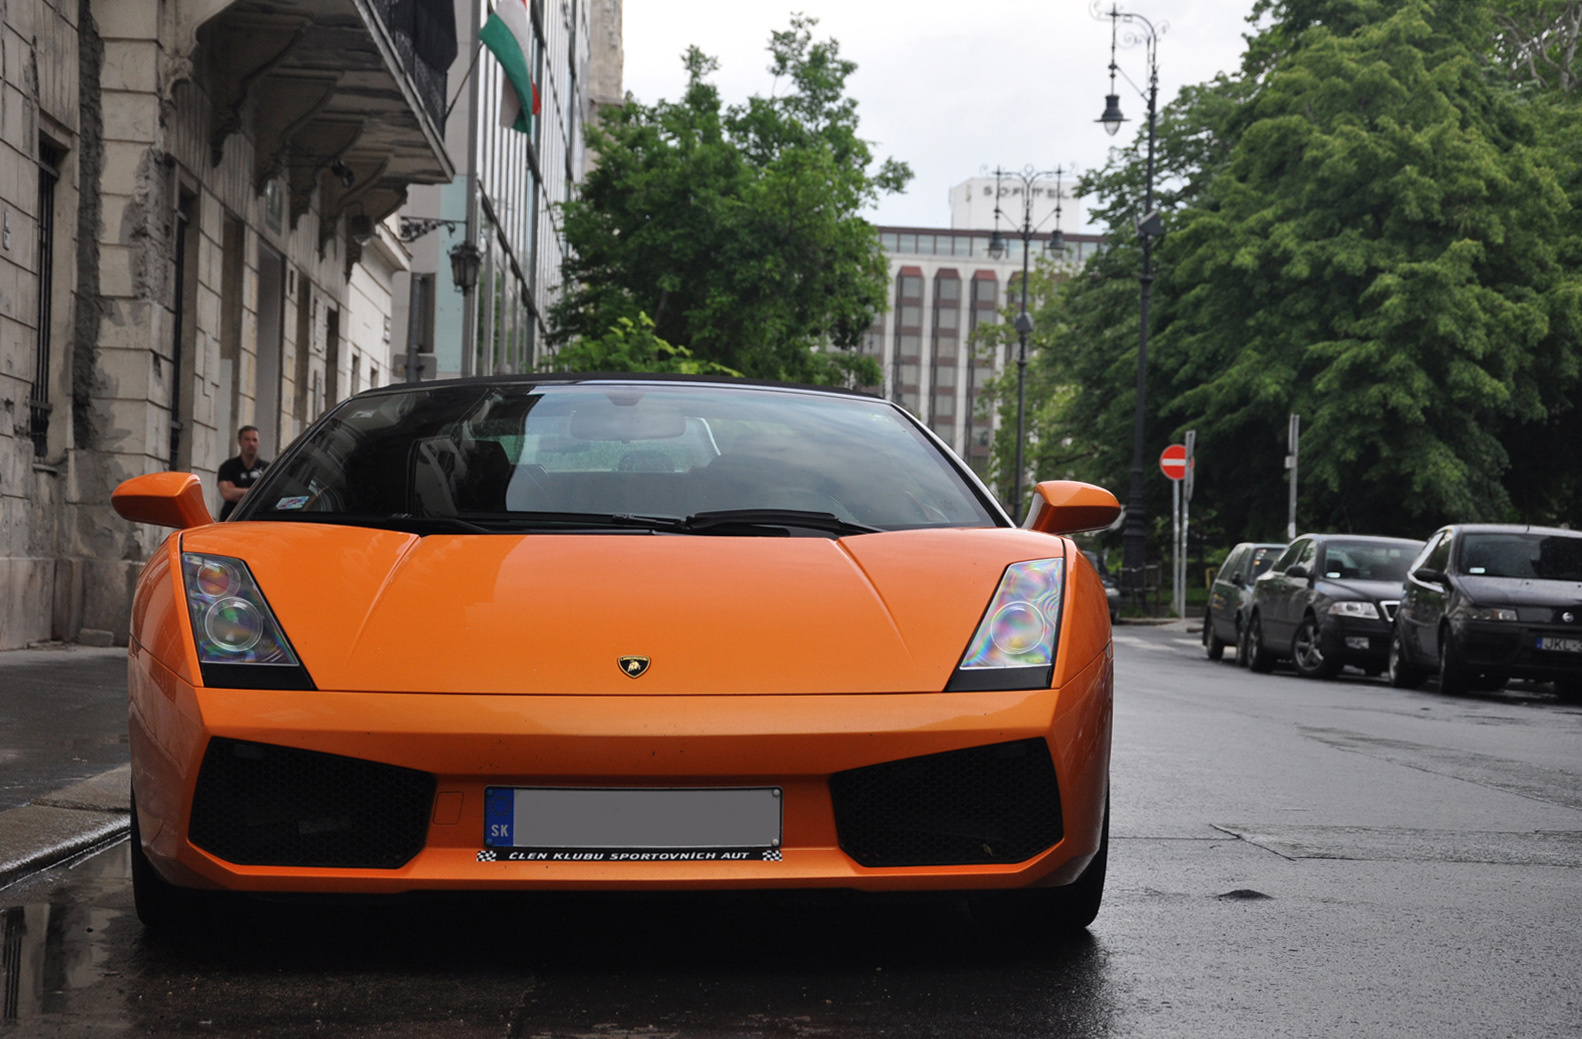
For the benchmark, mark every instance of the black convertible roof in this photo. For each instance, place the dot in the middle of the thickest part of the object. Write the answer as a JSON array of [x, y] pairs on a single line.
[[578, 378]]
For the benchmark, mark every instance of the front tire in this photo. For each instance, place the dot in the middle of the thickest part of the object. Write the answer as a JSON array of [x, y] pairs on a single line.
[[1212, 643], [1403, 673], [1073, 907], [161, 905], [1453, 677], [1569, 689], [1307, 651], [1259, 658]]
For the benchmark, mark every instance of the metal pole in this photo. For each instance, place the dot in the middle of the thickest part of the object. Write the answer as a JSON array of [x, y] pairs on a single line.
[[414, 321], [1135, 537], [1175, 543], [1293, 441], [469, 304], [1186, 513], [1023, 326]]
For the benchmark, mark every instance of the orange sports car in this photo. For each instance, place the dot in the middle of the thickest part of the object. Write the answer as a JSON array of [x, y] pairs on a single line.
[[634, 632]]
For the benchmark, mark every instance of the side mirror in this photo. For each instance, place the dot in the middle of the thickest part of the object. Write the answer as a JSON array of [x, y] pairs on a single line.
[[1069, 507], [163, 499], [1428, 575], [1297, 573]]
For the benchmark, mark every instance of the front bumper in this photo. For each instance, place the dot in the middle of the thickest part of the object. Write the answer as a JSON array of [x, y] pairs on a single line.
[[468, 743], [1363, 641], [1510, 648]]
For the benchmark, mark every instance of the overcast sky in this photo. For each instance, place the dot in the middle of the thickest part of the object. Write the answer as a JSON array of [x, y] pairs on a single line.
[[948, 87]]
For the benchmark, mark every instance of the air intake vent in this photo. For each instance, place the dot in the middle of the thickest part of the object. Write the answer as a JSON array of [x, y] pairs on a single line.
[[261, 805], [994, 804]]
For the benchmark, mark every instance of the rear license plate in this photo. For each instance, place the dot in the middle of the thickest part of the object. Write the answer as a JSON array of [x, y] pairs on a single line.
[[632, 824], [1561, 645]]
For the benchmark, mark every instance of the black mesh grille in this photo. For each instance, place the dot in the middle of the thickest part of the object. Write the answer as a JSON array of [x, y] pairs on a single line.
[[991, 804], [262, 805]]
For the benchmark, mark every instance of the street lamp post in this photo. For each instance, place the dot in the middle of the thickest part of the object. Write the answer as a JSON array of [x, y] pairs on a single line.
[[1024, 321], [1149, 227]]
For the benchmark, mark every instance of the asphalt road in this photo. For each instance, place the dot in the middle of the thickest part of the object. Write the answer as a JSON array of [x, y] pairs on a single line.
[[1289, 858]]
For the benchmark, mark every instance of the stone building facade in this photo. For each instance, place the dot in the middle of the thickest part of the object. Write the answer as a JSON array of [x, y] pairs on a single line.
[[193, 196], [507, 190], [943, 285]]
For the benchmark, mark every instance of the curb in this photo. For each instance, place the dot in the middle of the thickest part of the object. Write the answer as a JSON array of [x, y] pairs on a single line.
[[57, 826]]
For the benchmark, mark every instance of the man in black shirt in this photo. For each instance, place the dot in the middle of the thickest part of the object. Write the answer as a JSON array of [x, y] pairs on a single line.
[[237, 474]]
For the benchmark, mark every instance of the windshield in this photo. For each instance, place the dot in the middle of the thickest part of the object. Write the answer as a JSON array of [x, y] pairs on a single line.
[[1262, 560], [515, 456], [1543, 557], [1369, 560]]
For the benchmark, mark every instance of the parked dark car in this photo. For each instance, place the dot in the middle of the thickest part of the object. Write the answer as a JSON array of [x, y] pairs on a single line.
[[1328, 601], [1485, 603], [1111, 591], [1231, 594]]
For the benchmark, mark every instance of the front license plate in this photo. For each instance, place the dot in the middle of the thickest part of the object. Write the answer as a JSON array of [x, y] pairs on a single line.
[[1561, 645], [632, 825]]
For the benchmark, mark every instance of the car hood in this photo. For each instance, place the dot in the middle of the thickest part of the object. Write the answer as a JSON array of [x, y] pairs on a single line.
[[1372, 591], [380, 610], [1519, 591]]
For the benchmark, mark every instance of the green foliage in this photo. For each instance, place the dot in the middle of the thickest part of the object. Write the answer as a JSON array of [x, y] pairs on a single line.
[[631, 346], [736, 227], [1370, 226]]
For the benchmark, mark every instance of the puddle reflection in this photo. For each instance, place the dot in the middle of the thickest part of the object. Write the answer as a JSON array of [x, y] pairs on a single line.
[[51, 949], [776, 966]]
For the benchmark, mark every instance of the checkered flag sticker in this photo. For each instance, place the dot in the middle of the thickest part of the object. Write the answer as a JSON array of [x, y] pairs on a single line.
[[488, 856], [772, 855]]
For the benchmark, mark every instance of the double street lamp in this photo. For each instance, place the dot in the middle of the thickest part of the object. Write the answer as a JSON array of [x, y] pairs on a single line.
[[1149, 228], [1024, 321]]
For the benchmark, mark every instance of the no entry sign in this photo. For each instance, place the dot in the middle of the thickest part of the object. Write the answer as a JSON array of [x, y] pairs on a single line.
[[1172, 462]]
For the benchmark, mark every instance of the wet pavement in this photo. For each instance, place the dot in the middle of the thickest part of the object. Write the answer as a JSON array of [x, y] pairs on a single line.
[[1289, 858], [62, 718]]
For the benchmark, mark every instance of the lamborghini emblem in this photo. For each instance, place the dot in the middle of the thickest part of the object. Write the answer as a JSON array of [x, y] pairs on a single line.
[[633, 667]]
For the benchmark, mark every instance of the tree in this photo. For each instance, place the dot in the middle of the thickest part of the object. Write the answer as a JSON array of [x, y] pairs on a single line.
[[736, 228], [1537, 42], [1378, 255], [632, 346], [1368, 225]]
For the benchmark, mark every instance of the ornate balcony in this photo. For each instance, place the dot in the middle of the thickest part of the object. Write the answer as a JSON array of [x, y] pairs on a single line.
[[344, 95]]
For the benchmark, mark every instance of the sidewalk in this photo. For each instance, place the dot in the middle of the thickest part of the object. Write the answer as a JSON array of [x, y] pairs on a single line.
[[64, 776]]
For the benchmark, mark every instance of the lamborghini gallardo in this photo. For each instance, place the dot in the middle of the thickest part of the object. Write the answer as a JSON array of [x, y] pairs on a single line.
[[559, 633]]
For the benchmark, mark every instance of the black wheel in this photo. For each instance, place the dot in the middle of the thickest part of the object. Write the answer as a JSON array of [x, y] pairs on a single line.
[[1403, 673], [160, 904], [1453, 677], [1259, 658], [1569, 689], [1307, 651], [1212, 643], [1241, 643], [1060, 909]]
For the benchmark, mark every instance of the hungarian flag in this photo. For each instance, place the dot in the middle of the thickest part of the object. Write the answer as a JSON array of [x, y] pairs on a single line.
[[509, 36]]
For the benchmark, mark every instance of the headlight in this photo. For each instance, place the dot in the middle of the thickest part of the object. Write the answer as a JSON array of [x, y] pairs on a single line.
[[1014, 646], [1490, 613], [239, 642], [1354, 609]]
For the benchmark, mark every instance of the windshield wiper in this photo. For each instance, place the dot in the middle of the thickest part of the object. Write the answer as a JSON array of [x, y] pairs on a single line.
[[767, 522], [560, 522]]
